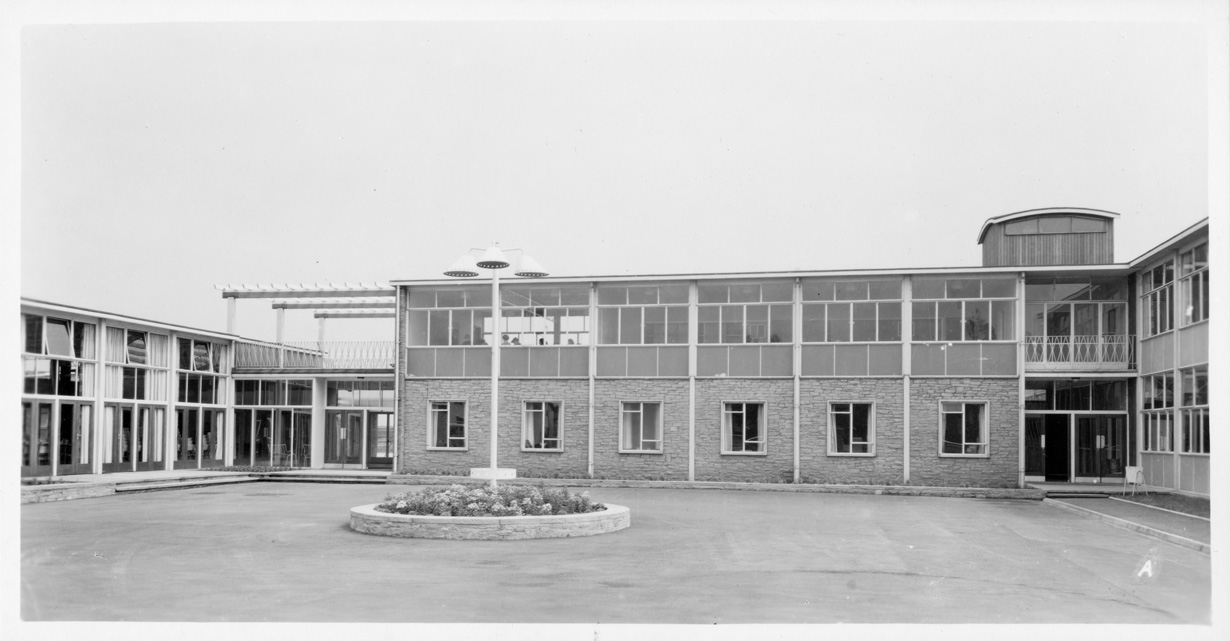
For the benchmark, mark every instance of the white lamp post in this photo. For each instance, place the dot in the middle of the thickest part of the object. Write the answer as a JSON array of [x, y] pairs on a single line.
[[466, 267]]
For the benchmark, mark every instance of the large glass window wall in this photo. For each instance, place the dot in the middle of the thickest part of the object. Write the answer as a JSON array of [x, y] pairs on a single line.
[[1078, 320], [58, 370], [964, 326], [273, 422]]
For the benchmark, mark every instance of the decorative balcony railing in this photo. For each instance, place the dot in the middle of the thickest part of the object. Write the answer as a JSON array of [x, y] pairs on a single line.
[[315, 355], [1080, 352]]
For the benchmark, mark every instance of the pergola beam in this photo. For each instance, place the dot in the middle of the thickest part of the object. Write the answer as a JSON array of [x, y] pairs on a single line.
[[333, 304], [306, 291], [351, 313]]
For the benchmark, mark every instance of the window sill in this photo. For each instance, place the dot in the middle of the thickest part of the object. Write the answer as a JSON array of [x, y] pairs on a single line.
[[1194, 323], [943, 455], [555, 450], [1204, 454], [745, 453], [431, 448], [853, 454], [659, 452]]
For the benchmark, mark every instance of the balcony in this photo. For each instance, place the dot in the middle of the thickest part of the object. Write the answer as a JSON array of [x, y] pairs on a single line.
[[311, 355], [1083, 353]]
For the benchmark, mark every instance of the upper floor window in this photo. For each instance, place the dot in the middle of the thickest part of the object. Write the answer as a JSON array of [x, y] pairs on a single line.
[[745, 313], [964, 309], [1055, 225], [529, 316], [643, 315], [1194, 286], [201, 356], [840, 321], [1157, 298], [57, 337]]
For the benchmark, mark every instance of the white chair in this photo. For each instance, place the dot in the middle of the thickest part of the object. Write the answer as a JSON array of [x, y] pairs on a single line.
[[1134, 475]]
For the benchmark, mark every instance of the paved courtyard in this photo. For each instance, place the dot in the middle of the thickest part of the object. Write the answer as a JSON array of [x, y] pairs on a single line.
[[284, 552]]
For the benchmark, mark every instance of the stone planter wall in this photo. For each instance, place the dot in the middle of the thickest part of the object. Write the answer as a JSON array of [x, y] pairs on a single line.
[[367, 520]]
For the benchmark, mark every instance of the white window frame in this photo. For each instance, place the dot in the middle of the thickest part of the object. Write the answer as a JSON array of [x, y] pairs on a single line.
[[624, 409], [727, 427], [985, 444], [1160, 293], [526, 427], [871, 428], [431, 424], [1158, 433], [1195, 280]]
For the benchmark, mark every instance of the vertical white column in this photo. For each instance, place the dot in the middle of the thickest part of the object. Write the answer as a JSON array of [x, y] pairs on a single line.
[[693, 339], [495, 371], [907, 368], [319, 398], [1020, 377], [230, 315], [593, 368], [281, 327], [228, 393], [1176, 427], [797, 351], [100, 384], [398, 381], [171, 424]]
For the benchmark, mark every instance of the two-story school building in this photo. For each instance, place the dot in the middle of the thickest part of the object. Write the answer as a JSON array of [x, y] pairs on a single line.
[[1050, 362]]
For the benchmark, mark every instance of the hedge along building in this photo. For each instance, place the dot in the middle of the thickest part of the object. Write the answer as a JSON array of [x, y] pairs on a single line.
[[1029, 368]]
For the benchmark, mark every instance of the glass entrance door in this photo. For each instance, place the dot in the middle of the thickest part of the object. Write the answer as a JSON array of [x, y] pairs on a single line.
[[1101, 446], [151, 421], [119, 439], [36, 438], [74, 438], [344, 438], [380, 440], [186, 440], [1047, 447]]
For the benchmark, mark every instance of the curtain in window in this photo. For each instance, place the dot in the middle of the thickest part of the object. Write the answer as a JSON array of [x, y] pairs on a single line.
[[83, 340], [115, 381], [156, 389], [117, 347], [159, 350]]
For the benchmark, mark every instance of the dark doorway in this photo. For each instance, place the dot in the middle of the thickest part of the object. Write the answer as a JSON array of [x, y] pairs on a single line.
[[1056, 448]]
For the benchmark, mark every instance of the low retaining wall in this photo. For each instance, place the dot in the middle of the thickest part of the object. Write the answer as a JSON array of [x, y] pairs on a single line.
[[1031, 494], [367, 520], [65, 492]]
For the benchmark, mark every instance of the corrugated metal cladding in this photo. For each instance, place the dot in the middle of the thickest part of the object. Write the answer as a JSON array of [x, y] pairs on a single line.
[[1001, 250]]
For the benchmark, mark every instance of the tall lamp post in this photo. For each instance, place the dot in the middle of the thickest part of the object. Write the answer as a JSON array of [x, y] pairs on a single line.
[[466, 267]]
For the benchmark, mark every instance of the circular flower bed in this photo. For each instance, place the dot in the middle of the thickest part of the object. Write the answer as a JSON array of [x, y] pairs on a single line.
[[507, 512]]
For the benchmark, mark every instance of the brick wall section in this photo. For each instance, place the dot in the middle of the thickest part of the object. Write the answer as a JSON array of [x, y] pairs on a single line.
[[573, 461], [672, 463], [815, 463], [778, 398], [416, 402], [927, 467]]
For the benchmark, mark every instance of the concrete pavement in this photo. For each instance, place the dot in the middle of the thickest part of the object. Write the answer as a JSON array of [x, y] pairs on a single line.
[[284, 552]]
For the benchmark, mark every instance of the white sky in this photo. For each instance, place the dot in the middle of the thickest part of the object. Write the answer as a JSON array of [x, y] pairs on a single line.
[[160, 159]]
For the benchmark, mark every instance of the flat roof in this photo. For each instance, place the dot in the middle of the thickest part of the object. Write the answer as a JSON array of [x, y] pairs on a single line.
[[1113, 268]]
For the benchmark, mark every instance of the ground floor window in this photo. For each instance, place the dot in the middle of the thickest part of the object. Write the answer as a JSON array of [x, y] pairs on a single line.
[[743, 428], [963, 429], [540, 426], [640, 427], [1196, 430], [1159, 431], [448, 424], [852, 428]]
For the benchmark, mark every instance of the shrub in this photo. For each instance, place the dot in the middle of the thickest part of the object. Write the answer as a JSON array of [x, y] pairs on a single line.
[[505, 500]]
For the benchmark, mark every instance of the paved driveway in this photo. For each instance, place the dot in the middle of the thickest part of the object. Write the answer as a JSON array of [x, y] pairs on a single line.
[[284, 552]]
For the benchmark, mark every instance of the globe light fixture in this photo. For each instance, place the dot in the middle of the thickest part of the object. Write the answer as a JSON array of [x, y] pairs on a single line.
[[467, 267]]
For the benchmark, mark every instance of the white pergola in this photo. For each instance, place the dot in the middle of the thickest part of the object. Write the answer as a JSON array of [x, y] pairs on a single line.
[[330, 300]]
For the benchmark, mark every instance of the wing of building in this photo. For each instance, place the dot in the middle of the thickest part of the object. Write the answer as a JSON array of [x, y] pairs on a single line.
[[1050, 362]]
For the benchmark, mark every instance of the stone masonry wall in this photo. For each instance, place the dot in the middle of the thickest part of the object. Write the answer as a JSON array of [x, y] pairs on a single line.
[[927, 467], [418, 394], [777, 464], [816, 465], [672, 463]]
